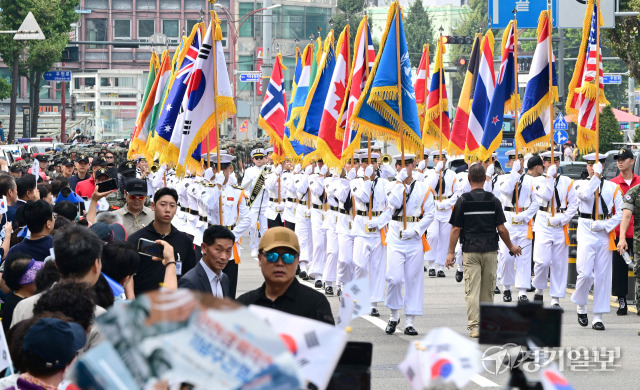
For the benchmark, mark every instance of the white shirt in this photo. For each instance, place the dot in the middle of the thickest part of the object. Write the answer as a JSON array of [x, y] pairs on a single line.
[[214, 280]]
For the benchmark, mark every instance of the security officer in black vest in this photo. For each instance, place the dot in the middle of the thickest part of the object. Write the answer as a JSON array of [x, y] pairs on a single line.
[[476, 217]]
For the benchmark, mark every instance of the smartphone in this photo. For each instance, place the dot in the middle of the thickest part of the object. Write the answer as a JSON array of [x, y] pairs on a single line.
[[150, 248], [107, 185]]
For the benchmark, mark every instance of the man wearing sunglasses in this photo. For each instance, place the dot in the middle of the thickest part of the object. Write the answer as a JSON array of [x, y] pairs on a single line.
[[134, 214], [278, 256], [253, 184]]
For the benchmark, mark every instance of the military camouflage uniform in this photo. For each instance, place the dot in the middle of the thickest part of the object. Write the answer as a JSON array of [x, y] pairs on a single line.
[[632, 202]]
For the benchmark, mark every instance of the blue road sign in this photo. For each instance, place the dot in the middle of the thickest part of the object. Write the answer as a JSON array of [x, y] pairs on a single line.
[[612, 79], [501, 12], [58, 75], [560, 123], [560, 137], [250, 77]]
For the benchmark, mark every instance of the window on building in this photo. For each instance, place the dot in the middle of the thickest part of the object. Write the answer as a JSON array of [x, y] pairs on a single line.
[[171, 27], [146, 28], [96, 4], [122, 5], [193, 4], [252, 23], [169, 5], [122, 29], [145, 5], [314, 18], [225, 33], [246, 63], [190, 24], [96, 30], [292, 23]]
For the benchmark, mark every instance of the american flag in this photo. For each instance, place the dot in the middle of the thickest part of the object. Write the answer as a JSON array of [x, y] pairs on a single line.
[[593, 62]]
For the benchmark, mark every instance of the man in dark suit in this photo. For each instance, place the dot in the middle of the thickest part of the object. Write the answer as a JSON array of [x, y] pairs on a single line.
[[207, 275]]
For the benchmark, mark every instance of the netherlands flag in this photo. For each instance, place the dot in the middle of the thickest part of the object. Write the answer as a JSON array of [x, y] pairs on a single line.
[[485, 85]]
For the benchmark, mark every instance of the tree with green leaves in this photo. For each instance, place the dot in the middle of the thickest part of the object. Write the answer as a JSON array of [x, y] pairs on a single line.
[[5, 89], [609, 130], [419, 31], [476, 21], [350, 12], [624, 39], [32, 58], [636, 135]]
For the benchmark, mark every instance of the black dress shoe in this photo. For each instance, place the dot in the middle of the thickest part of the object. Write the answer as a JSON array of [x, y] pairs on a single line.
[[303, 275], [441, 274], [391, 327], [432, 273], [328, 290], [339, 292], [312, 277], [410, 331], [538, 298], [622, 310], [523, 298], [459, 275], [531, 289], [598, 326], [557, 307], [425, 269], [583, 320], [507, 296], [374, 312], [496, 290], [318, 283]]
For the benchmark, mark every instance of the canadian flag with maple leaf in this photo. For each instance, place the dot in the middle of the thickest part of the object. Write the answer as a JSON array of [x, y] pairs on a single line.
[[328, 145]]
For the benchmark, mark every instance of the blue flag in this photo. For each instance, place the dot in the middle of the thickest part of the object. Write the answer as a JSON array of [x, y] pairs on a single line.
[[292, 148]]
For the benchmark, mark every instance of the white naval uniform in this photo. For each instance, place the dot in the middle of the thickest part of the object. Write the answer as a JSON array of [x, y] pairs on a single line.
[[346, 271], [303, 219], [440, 230], [517, 270], [329, 225], [258, 207], [319, 244], [550, 250], [493, 186], [405, 257], [289, 193], [368, 249], [462, 186], [594, 258], [271, 188]]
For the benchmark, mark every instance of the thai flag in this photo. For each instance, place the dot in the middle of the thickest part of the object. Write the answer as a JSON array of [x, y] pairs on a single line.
[[485, 86]]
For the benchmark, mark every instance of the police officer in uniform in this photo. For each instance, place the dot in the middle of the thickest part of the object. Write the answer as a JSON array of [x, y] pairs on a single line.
[[476, 217]]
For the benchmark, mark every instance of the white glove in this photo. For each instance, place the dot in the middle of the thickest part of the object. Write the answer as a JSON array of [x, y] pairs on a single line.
[[307, 213], [439, 166], [554, 221], [516, 166], [323, 171], [360, 172], [421, 165], [387, 171], [597, 226], [402, 175], [439, 205], [219, 178], [368, 171], [351, 174], [278, 170], [316, 170], [280, 207], [408, 234], [552, 170], [308, 170], [297, 169], [208, 174], [518, 218], [491, 169], [597, 168]]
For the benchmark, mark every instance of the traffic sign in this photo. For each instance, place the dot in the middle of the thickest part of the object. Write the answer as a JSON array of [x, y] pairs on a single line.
[[58, 75], [612, 79], [501, 12], [571, 13], [560, 123], [560, 137], [250, 77]]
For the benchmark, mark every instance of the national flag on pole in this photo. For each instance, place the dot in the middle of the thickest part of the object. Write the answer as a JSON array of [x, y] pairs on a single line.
[[167, 139], [587, 79], [244, 127], [421, 85], [363, 56], [302, 89], [505, 96], [273, 112], [328, 145], [209, 95], [458, 139], [533, 130], [154, 64], [437, 104], [377, 112], [293, 149], [482, 97]]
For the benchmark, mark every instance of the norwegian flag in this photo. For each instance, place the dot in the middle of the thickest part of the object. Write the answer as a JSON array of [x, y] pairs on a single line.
[[273, 112], [421, 85], [362, 52]]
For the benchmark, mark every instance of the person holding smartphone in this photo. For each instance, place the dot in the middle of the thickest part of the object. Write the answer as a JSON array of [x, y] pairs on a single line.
[[100, 173]]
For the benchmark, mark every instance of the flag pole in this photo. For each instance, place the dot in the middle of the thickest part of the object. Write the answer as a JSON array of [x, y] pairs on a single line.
[[366, 75], [515, 106], [596, 4], [214, 50], [425, 50], [550, 54], [400, 129], [440, 104]]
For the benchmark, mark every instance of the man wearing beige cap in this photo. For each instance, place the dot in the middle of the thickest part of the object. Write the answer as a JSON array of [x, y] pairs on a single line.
[[278, 256]]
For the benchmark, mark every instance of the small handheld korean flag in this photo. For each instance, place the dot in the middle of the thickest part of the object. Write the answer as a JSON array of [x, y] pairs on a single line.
[[3, 205], [35, 169], [355, 302], [5, 358]]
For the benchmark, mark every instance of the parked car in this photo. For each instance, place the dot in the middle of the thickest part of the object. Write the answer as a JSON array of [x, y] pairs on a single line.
[[611, 170], [576, 170]]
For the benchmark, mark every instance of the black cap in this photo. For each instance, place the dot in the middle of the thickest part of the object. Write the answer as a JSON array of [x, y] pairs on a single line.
[[108, 233], [533, 162], [67, 161], [623, 154], [54, 341], [100, 162], [127, 167], [82, 158], [15, 167], [136, 187], [42, 157], [103, 172]]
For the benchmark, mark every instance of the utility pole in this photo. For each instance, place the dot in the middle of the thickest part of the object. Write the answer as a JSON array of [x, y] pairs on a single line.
[[267, 23], [632, 95], [560, 62]]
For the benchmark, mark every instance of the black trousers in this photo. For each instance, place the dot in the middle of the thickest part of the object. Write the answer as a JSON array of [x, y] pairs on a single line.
[[231, 269], [290, 225], [275, 222], [620, 272]]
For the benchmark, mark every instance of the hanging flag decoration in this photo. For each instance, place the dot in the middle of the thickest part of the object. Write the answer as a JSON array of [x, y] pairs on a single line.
[[273, 112], [210, 99], [505, 96], [377, 112], [458, 139], [587, 80], [437, 104], [532, 134], [154, 64], [328, 145], [363, 57], [421, 85], [482, 97]]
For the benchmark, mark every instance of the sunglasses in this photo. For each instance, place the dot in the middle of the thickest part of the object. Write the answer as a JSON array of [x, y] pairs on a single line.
[[258, 158], [273, 257], [137, 197]]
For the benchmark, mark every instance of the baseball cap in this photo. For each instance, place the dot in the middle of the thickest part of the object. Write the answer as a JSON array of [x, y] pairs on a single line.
[[127, 167], [279, 237], [82, 158], [42, 157], [108, 233], [100, 162], [136, 187], [67, 161], [103, 172], [15, 168], [54, 341], [623, 154]]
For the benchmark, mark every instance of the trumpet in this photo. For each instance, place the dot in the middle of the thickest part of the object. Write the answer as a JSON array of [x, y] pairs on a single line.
[[154, 168], [386, 159]]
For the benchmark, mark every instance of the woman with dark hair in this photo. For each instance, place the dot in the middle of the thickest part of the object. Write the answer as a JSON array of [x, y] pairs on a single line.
[[19, 274]]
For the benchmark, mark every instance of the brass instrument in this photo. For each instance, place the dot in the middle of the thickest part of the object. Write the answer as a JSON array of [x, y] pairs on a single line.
[[386, 159], [154, 168]]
